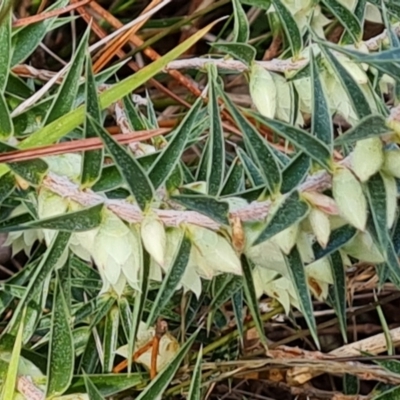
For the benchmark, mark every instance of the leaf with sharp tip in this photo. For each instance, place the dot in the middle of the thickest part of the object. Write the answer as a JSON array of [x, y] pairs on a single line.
[[346, 18], [92, 391], [158, 385], [171, 154], [92, 159], [195, 384], [369, 127], [291, 210], [298, 277], [5, 43], [172, 280], [295, 172], [257, 147], [234, 181], [61, 348], [290, 27], [321, 123], [66, 96], [206, 205], [241, 25], [339, 290], [252, 171], [251, 298], [357, 98], [310, 145], [110, 338], [239, 51], [136, 179], [216, 160]]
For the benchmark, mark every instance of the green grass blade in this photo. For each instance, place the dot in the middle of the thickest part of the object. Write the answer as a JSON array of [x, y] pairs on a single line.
[[110, 338], [195, 384]]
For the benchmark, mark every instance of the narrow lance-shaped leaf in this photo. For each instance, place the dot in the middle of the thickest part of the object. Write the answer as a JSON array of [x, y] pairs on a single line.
[[369, 127], [171, 154], [82, 220], [216, 210], [91, 389], [140, 300], [216, 161], [158, 385], [252, 171], [136, 179], [195, 384], [376, 193], [27, 39], [321, 124], [252, 302], [50, 259], [359, 13], [10, 382], [291, 210], [92, 159], [258, 147], [295, 172], [235, 179], [110, 339], [5, 42], [358, 101], [61, 348], [289, 24], [65, 98], [339, 288], [241, 25], [171, 281], [310, 145], [32, 171], [346, 18], [298, 277]]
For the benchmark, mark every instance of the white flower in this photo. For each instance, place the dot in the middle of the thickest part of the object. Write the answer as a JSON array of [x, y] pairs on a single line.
[[154, 238]]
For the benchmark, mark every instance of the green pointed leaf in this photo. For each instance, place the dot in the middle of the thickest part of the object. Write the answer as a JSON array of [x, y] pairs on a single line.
[[158, 385], [321, 122], [195, 384], [91, 389], [5, 43], [310, 145], [32, 171], [10, 381], [140, 301], [356, 96], [136, 179], [27, 39], [295, 172], [65, 98], [61, 348], [229, 287], [110, 338], [172, 280], [92, 159], [216, 161], [258, 147], [290, 27], [77, 221], [337, 239], [125, 313], [252, 171], [298, 277], [251, 298], [7, 186], [48, 262], [237, 304], [206, 205], [234, 181], [359, 13], [346, 18], [238, 51], [370, 126], [169, 158], [376, 194], [291, 210], [339, 288], [241, 25]]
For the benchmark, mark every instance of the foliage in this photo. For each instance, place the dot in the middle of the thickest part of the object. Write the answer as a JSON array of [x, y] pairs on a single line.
[[232, 204]]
